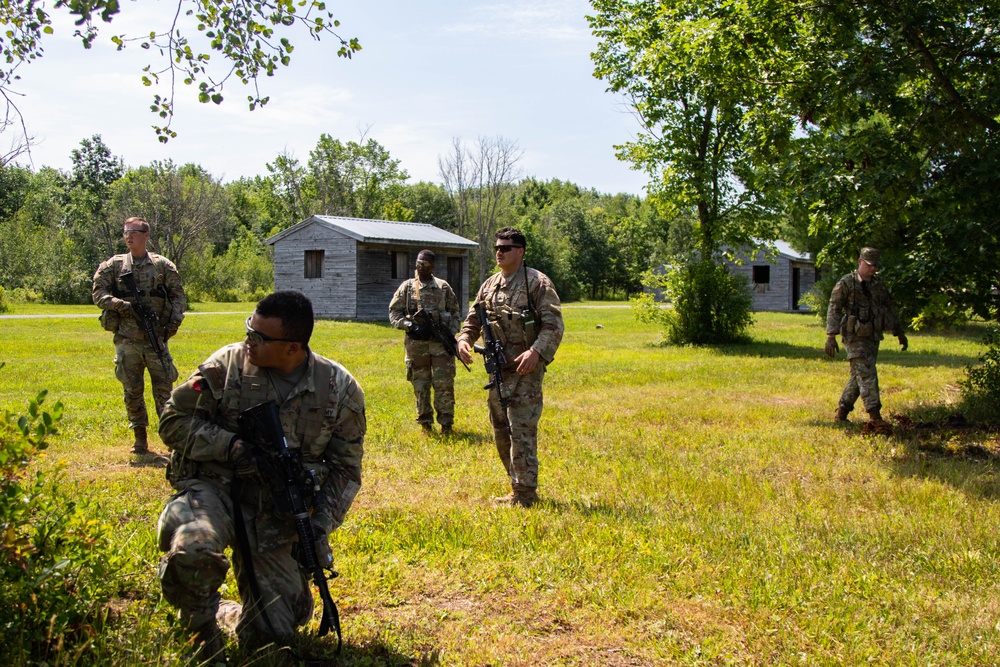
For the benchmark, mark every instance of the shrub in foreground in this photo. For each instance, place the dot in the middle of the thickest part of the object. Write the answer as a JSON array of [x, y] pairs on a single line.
[[57, 567]]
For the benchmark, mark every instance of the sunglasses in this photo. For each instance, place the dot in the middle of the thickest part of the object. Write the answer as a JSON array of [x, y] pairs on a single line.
[[258, 338], [506, 248], [134, 231]]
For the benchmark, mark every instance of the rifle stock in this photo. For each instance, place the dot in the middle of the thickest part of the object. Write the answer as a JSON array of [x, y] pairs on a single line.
[[262, 424]]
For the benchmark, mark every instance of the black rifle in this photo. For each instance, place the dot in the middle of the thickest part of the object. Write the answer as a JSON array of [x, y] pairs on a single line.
[[494, 360], [292, 483], [424, 319], [147, 318]]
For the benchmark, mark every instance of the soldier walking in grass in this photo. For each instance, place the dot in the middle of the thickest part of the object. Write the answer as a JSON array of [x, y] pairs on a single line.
[[525, 315], [860, 310], [161, 295], [428, 363]]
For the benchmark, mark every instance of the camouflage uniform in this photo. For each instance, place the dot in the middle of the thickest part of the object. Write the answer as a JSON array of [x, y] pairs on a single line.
[[860, 311], [160, 288], [509, 309], [323, 417], [428, 363]]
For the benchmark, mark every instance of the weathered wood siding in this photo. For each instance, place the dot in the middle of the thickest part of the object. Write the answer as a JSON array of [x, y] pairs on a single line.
[[333, 295], [775, 295], [376, 284]]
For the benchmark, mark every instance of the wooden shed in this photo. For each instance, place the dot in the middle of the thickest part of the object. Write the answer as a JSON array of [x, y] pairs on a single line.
[[350, 267], [779, 276]]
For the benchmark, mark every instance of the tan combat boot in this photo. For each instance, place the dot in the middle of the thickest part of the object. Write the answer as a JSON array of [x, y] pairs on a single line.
[[841, 415], [875, 415], [141, 445], [522, 496]]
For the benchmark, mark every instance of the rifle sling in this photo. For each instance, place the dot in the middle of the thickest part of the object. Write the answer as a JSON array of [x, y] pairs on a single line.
[[236, 490]]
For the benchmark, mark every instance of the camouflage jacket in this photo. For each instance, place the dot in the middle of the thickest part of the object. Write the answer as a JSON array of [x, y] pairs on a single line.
[[522, 316], [860, 310], [323, 418], [436, 297], [159, 287]]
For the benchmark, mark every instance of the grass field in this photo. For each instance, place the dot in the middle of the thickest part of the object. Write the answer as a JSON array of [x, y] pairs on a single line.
[[699, 506]]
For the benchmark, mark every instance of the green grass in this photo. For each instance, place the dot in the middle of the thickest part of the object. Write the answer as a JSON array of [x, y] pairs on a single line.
[[699, 505]]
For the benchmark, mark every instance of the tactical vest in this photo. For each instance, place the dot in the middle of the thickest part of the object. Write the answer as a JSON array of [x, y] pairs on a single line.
[[253, 391]]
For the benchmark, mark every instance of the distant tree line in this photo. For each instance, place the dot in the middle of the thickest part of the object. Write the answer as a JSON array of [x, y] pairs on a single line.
[[56, 227]]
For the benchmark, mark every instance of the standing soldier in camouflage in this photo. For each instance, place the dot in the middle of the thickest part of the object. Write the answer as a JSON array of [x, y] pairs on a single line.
[[860, 310], [428, 363], [160, 289], [525, 315], [222, 500]]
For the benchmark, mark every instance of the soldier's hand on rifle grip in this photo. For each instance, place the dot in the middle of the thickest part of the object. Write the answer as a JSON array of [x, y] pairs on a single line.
[[243, 462], [122, 307], [831, 346], [903, 341]]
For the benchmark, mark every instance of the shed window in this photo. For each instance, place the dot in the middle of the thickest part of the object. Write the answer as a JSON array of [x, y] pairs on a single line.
[[400, 264], [761, 275], [314, 263]]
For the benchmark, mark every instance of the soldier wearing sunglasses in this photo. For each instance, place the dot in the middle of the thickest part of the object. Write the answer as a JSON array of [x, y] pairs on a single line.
[[525, 314], [322, 414]]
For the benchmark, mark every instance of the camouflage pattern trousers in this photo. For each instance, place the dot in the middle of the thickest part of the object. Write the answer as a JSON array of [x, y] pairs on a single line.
[[518, 449], [863, 381], [194, 530], [131, 360], [429, 366]]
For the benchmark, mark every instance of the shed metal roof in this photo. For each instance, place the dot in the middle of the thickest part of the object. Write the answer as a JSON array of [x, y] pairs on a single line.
[[382, 231]]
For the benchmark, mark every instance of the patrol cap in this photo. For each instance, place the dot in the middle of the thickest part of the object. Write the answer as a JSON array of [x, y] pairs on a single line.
[[870, 256], [425, 256]]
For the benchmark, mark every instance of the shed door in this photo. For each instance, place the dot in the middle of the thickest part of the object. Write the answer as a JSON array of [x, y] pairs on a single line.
[[795, 288]]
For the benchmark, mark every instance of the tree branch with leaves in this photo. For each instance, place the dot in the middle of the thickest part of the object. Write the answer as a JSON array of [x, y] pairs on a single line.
[[253, 38]]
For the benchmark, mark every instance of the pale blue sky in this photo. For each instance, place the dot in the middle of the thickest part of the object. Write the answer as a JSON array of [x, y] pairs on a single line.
[[428, 72]]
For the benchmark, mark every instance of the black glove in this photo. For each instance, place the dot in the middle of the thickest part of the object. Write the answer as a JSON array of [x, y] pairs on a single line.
[[244, 463], [420, 331], [169, 332]]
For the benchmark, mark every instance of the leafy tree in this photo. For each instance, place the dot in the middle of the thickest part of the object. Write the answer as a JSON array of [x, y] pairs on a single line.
[[709, 125], [244, 272], [898, 105], [252, 39], [430, 204], [290, 187], [37, 251], [711, 129], [95, 169], [354, 179], [186, 207]]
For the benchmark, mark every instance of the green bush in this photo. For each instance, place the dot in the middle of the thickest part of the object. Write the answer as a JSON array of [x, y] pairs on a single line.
[[981, 386], [244, 273], [57, 566], [4, 307], [709, 305]]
